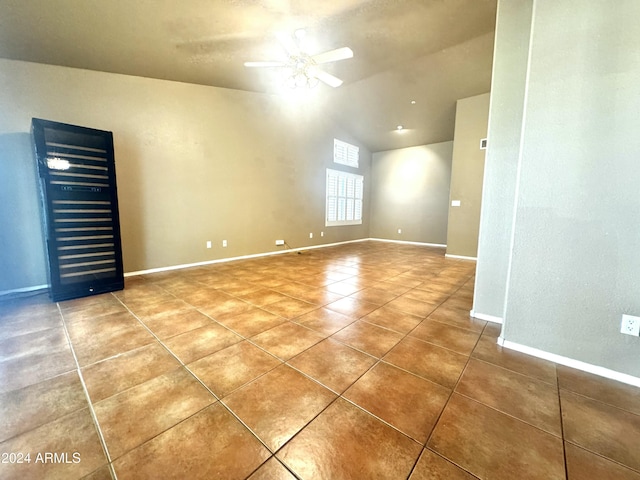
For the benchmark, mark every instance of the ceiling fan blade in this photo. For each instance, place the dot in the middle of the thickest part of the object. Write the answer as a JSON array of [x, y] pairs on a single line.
[[333, 55], [264, 64], [288, 43], [327, 78]]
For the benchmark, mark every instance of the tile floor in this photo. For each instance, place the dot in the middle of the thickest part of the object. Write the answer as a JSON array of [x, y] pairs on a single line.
[[357, 361]]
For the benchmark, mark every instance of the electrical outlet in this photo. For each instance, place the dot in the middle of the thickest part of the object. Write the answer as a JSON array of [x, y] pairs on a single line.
[[208, 243], [399, 230], [322, 234], [311, 235], [224, 243], [630, 325], [279, 243]]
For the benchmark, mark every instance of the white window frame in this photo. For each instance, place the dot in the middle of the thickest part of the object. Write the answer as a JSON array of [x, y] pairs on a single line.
[[344, 197], [345, 154]]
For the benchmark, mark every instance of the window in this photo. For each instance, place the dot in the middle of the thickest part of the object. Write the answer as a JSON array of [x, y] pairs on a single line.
[[345, 154], [344, 198]]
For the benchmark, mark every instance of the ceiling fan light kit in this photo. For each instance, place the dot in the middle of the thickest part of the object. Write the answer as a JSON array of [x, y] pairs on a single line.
[[303, 70]]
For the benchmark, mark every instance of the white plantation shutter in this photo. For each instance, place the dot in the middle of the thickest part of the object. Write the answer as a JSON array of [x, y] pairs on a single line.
[[345, 154], [344, 198]]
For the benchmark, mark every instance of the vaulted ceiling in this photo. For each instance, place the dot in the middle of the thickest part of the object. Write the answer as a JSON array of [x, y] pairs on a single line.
[[431, 52]]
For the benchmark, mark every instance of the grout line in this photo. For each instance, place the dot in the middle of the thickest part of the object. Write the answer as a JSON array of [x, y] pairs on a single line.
[[564, 448], [103, 442]]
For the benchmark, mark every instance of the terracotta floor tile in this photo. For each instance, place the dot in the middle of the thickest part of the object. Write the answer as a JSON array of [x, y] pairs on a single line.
[[262, 297], [167, 325], [432, 466], [392, 287], [161, 419], [14, 326], [292, 288], [252, 322], [489, 351], [409, 403], [523, 397], [30, 407], [73, 433], [209, 445], [230, 368], [458, 318], [414, 307], [287, 340], [344, 288], [279, 404], [324, 321], [393, 319], [352, 307], [142, 412], [426, 295], [459, 302], [582, 464], [103, 473], [95, 340], [35, 306], [203, 341], [19, 372], [369, 338], [602, 429], [201, 296], [51, 342], [272, 469], [490, 444], [599, 388], [93, 310], [168, 307], [219, 310], [492, 329], [318, 296], [345, 442], [116, 374], [444, 335], [374, 295], [239, 287], [333, 364], [429, 361], [290, 308]]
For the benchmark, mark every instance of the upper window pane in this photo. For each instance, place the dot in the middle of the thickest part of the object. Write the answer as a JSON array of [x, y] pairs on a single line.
[[345, 154]]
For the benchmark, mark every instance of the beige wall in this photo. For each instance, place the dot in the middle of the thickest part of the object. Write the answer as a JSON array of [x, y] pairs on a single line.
[[410, 191], [193, 163], [472, 118], [574, 244]]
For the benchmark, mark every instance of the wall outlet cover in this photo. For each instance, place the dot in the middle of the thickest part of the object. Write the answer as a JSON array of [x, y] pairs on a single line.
[[630, 325], [279, 243]]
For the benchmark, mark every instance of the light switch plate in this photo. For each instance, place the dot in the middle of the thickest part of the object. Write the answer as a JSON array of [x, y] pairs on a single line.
[[455, 203]]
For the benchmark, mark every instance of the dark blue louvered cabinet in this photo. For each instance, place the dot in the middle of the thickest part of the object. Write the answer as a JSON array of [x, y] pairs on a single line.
[[76, 169]]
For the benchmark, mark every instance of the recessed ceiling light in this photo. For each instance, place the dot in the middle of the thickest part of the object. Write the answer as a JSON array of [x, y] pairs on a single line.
[[413, 102], [399, 127]]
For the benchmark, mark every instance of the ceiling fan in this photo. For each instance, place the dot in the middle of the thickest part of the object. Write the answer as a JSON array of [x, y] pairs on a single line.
[[303, 67]]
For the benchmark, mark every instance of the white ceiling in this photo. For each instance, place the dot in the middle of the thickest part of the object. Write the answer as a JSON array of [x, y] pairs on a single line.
[[429, 51]]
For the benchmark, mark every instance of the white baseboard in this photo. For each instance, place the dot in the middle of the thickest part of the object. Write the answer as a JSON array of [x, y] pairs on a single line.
[[485, 317], [242, 257], [570, 362], [23, 290], [406, 242], [461, 257]]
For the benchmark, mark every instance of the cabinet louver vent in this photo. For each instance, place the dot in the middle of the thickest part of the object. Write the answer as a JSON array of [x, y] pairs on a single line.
[[78, 188]]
